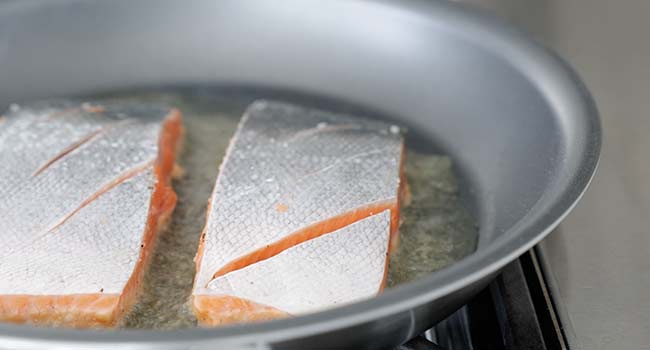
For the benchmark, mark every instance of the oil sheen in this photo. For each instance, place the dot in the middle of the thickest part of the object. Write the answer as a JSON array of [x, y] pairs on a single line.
[[436, 230]]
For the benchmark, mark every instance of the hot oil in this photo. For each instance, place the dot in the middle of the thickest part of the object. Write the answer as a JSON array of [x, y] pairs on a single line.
[[435, 230]]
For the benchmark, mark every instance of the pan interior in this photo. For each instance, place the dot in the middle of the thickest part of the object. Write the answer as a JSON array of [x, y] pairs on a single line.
[[436, 228]]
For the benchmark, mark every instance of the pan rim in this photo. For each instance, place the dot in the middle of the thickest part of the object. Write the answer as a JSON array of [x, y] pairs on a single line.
[[476, 266]]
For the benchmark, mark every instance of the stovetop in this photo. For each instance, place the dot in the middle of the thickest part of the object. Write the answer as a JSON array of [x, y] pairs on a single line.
[[517, 311]]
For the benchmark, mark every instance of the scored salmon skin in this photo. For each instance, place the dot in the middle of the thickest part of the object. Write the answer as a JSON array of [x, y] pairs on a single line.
[[337, 268], [84, 189], [290, 175]]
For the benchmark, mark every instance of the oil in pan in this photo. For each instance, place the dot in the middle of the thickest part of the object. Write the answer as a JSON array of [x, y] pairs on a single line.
[[435, 231]]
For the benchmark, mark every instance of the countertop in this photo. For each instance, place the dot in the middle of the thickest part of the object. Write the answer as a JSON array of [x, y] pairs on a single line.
[[599, 256]]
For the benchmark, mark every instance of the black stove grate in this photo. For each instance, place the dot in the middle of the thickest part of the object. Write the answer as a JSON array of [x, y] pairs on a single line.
[[515, 312]]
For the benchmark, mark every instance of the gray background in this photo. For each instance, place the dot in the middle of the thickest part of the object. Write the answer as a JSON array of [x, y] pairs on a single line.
[[600, 254]]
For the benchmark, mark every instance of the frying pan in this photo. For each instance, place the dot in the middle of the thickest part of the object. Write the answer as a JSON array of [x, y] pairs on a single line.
[[522, 129]]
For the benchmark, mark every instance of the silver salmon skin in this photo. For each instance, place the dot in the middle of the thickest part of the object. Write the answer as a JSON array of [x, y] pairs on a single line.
[[291, 175], [84, 188], [337, 268]]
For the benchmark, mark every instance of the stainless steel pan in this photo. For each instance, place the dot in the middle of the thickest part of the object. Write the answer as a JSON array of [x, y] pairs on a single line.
[[521, 127]]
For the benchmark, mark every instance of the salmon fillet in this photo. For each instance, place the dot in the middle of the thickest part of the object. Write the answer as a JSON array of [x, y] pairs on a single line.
[[83, 192], [292, 175]]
